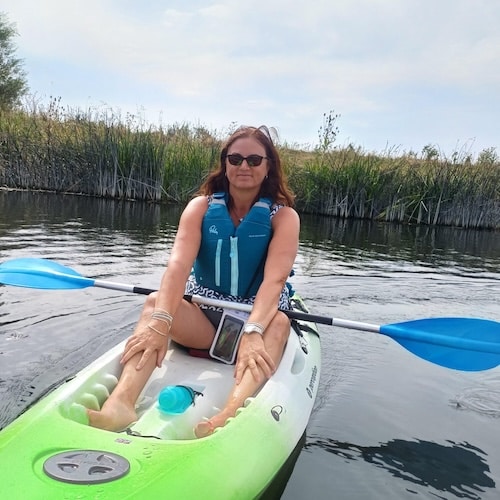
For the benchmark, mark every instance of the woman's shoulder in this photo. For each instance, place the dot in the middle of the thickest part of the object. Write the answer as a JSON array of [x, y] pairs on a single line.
[[196, 207], [199, 201], [284, 216], [278, 208]]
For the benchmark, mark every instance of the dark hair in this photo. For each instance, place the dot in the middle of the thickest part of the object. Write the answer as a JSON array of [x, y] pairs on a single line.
[[275, 186]]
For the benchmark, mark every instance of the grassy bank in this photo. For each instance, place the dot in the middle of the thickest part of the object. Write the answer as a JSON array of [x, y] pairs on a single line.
[[350, 183], [106, 155], [102, 154]]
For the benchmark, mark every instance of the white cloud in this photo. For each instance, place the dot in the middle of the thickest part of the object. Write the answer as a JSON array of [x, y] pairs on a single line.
[[382, 64]]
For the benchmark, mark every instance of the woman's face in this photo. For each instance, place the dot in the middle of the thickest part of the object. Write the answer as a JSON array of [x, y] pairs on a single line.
[[244, 176]]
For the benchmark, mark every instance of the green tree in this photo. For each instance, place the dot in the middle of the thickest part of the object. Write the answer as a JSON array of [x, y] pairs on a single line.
[[13, 83]]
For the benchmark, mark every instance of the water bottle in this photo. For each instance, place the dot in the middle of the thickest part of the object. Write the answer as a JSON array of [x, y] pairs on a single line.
[[176, 399]]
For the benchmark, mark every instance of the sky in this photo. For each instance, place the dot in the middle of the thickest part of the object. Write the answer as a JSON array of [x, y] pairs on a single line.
[[400, 74]]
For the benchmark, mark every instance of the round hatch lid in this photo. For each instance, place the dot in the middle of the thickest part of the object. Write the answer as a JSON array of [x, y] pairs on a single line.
[[86, 466]]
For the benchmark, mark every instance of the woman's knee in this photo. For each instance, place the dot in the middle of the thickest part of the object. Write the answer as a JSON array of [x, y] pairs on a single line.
[[149, 304], [280, 327]]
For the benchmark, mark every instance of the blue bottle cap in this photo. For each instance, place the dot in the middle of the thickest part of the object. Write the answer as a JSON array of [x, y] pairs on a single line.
[[175, 399]]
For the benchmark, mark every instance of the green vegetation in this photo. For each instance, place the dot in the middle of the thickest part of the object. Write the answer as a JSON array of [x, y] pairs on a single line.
[[101, 154], [12, 77], [350, 183]]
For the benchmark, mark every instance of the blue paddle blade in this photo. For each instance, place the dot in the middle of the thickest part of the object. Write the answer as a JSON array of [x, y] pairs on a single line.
[[468, 344], [41, 273]]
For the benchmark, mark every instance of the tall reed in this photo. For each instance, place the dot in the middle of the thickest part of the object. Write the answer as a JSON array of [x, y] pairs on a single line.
[[102, 154], [351, 183]]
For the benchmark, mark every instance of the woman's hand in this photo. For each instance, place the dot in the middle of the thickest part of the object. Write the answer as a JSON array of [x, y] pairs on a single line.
[[150, 343], [252, 354]]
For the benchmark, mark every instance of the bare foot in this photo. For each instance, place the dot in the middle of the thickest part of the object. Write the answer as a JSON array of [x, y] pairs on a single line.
[[114, 416], [204, 429], [207, 427]]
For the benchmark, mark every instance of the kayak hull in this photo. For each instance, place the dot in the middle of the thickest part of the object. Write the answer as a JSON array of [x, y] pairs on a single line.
[[51, 452]]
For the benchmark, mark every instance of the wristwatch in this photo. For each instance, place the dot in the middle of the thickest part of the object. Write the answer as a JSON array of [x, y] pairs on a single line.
[[253, 328]]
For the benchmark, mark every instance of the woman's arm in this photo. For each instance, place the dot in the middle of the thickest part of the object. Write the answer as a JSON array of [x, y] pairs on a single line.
[[153, 339], [184, 251]]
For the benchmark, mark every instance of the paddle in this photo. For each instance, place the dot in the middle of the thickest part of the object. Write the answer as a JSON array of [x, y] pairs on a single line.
[[469, 344]]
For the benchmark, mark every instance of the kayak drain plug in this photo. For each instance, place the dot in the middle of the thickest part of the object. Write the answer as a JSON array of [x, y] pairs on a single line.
[[86, 466]]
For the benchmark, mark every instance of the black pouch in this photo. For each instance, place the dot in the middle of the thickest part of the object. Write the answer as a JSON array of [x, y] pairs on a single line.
[[227, 337]]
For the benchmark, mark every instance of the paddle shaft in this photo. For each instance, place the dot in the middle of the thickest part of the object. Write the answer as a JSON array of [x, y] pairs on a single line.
[[398, 332], [312, 318], [469, 344]]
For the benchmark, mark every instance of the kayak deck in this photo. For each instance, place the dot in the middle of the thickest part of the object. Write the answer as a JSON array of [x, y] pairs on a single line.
[[53, 452], [211, 379]]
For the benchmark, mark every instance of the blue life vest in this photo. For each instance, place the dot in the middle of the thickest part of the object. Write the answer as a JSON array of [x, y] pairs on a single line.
[[231, 259]]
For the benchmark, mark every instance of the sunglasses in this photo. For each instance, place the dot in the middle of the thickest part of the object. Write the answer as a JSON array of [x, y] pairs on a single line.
[[252, 160]]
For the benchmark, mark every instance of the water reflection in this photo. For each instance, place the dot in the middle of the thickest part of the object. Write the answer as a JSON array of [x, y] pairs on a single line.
[[429, 246], [457, 468], [423, 242], [352, 240], [136, 219], [97, 232]]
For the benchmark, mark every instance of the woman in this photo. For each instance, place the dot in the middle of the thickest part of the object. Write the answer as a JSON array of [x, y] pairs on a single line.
[[248, 183]]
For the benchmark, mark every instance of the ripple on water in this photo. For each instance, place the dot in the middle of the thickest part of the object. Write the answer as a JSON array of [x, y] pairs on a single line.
[[482, 400]]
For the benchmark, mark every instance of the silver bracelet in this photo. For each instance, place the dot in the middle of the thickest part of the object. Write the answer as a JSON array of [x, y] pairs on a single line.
[[162, 315], [253, 327], [157, 331]]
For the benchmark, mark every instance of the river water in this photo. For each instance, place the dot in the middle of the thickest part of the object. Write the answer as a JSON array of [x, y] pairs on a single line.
[[386, 424]]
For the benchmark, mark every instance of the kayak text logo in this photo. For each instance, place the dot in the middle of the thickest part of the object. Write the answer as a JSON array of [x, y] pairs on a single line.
[[312, 381]]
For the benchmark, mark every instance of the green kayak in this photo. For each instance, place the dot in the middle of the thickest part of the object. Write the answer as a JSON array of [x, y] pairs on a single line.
[[50, 451]]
